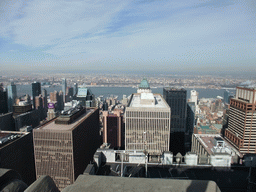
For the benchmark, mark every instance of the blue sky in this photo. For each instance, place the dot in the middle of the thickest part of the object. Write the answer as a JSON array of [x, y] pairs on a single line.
[[177, 35]]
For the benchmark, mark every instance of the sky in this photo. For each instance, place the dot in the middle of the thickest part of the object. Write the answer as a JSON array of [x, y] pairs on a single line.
[[109, 35]]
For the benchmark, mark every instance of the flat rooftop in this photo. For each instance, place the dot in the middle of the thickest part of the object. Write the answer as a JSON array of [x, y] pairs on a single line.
[[108, 183], [207, 141], [159, 100], [63, 127], [7, 137]]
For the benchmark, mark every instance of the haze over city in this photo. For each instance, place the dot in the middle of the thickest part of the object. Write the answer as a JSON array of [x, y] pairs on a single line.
[[166, 36]]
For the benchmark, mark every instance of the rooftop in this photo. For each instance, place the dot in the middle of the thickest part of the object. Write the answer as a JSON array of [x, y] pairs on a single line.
[[248, 87], [207, 141], [7, 137], [103, 183], [65, 127], [82, 92], [137, 97]]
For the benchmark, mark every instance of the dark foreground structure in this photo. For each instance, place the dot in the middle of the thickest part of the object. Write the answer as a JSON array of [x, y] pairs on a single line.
[[16, 152], [11, 181], [161, 179], [232, 179], [92, 183]]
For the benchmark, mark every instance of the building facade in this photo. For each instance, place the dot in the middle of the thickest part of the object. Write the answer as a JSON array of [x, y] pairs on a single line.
[[36, 91], [241, 131], [147, 123], [64, 88], [16, 152], [39, 102], [65, 145], [194, 96], [85, 96], [3, 101], [177, 100], [113, 129], [44, 95], [215, 149], [12, 94]]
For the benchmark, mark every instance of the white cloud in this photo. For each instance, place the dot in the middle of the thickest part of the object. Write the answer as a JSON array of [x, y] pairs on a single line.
[[160, 32], [49, 22]]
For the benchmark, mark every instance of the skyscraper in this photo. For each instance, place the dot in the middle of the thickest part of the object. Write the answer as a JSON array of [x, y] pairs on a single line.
[[44, 94], [3, 101], [38, 102], [54, 96], [64, 89], [60, 101], [12, 94], [147, 122], [113, 129], [16, 152], [177, 100], [193, 96], [75, 88], [36, 90], [227, 96], [241, 131], [65, 145], [85, 96]]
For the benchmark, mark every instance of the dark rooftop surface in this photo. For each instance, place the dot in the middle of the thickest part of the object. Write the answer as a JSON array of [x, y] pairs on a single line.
[[228, 179], [53, 126], [7, 137]]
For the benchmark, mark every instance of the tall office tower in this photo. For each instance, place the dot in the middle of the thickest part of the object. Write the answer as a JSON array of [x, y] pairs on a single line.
[[54, 96], [12, 94], [177, 100], [60, 101], [105, 106], [194, 96], [113, 129], [75, 89], [64, 89], [16, 152], [85, 96], [64, 146], [191, 107], [147, 123], [3, 101], [70, 93], [227, 96], [38, 102], [241, 131], [44, 94], [36, 90]]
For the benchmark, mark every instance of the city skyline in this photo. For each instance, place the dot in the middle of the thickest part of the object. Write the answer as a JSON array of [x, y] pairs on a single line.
[[180, 36]]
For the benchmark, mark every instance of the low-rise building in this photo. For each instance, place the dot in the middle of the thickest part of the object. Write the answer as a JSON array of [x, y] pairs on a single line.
[[216, 149]]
